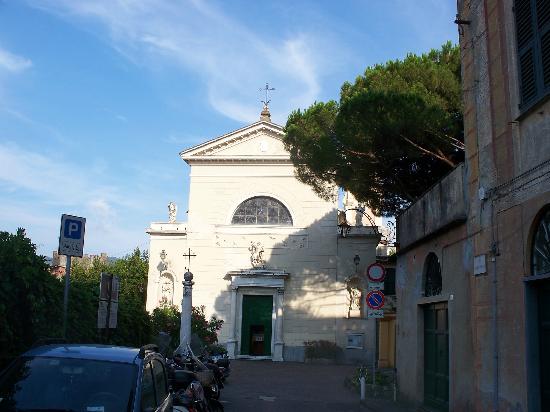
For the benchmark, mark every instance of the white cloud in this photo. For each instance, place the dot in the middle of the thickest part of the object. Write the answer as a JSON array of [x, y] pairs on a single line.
[[102, 212], [55, 186], [234, 60], [12, 62]]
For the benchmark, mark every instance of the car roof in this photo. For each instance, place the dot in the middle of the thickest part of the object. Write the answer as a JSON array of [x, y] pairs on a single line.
[[91, 352]]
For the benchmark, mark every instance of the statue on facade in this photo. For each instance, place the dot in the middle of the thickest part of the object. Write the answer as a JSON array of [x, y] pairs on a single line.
[[172, 212], [256, 254], [354, 209], [167, 290]]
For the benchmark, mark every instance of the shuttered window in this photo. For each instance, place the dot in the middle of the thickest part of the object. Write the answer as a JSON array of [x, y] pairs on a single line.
[[533, 42]]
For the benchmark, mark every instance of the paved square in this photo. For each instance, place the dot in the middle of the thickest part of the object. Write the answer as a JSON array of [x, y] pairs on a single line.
[[287, 386]]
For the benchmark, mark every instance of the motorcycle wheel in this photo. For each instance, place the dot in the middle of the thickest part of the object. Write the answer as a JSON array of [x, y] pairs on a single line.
[[215, 390], [215, 406]]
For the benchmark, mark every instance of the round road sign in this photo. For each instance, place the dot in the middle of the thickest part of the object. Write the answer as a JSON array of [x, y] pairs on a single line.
[[375, 299], [376, 272]]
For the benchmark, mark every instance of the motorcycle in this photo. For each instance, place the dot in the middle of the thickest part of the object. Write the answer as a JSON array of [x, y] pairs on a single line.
[[194, 383], [220, 359], [192, 398]]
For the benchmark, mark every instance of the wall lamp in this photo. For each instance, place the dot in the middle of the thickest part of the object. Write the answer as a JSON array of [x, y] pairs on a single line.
[[460, 22]]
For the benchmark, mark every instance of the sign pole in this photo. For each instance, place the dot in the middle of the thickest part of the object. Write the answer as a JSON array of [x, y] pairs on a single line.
[[108, 319], [71, 243], [66, 295], [376, 273], [374, 352]]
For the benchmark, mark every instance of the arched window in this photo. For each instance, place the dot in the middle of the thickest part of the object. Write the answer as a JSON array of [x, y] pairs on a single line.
[[261, 210], [432, 276], [540, 250]]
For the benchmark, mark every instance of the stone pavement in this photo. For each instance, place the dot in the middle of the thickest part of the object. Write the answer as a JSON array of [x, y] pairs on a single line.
[[287, 386]]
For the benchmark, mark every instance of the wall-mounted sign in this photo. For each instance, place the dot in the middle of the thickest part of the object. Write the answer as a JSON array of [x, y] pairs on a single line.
[[480, 266]]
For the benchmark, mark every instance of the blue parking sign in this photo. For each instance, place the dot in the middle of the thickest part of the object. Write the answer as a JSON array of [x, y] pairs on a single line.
[[73, 229], [71, 236]]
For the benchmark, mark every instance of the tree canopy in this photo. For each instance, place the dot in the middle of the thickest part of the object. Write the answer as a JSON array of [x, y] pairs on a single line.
[[395, 132]]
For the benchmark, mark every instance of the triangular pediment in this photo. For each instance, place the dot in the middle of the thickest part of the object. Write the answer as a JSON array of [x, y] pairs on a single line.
[[261, 141]]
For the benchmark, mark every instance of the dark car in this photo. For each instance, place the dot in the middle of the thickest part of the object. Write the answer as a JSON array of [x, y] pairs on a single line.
[[86, 378]]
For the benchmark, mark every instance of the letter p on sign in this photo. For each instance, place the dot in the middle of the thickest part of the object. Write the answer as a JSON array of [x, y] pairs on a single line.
[[73, 229]]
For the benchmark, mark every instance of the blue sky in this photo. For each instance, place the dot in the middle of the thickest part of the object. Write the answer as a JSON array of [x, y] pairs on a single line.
[[97, 98]]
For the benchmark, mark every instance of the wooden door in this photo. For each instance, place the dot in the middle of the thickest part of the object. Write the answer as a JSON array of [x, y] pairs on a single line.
[[257, 313], [544, 342], [436, 356]]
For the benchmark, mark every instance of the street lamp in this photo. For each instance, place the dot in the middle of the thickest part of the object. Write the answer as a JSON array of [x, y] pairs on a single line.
[[356, 260]]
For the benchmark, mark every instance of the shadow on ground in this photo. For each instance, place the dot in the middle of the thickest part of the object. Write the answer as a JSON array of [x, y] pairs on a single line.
[[289, 386]]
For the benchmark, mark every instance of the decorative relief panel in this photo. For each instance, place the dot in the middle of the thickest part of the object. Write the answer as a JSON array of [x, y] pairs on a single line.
[[268, 242]]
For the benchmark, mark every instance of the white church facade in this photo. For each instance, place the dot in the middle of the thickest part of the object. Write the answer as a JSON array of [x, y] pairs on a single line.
[[269, 260]]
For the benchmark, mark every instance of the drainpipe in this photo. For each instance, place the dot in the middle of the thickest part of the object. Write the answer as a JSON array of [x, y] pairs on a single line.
[[494, 254]]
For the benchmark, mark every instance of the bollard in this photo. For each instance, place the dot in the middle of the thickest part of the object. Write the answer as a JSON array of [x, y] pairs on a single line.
[[362, 382]]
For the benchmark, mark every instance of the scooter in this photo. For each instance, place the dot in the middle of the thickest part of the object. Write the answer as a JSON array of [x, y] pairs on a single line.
[[194, 383], [221, 360]]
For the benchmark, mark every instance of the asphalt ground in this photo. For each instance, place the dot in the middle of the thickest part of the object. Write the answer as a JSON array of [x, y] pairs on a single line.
[[287, 386]]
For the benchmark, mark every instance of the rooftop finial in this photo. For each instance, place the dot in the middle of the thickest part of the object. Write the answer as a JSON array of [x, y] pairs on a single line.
[[265, 115]]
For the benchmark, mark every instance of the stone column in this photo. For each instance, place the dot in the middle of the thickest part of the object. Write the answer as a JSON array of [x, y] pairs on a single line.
[[186, 309], [232, 342], [279, 343]]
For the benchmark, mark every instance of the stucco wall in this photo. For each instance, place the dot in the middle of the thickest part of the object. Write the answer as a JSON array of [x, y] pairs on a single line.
[[507, 152], [453, 254], [442, 205]]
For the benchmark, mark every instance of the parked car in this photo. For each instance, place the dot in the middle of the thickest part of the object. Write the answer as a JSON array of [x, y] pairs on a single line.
[[87, 378]]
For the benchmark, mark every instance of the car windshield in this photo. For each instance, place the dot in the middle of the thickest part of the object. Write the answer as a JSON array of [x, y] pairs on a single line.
[[65, 384]]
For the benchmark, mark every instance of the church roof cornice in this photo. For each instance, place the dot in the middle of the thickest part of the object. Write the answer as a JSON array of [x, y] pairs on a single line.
[[205, 152]]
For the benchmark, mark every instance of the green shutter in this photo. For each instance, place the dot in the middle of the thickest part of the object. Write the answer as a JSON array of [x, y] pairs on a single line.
[[533, 47], [526, 51], [543, 26]]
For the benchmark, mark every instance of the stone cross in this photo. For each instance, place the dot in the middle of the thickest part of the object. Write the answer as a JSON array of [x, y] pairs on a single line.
[[189, 256]]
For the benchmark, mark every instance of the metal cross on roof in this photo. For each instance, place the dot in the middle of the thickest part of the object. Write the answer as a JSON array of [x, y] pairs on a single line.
[[267, 89], [189, 256]]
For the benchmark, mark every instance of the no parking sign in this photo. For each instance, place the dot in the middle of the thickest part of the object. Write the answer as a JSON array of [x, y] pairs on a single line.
[[375, 302], [375, 299]]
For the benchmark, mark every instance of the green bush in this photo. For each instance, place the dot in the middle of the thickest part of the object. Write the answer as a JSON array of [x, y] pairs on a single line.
[[380, 378], [206, 330], [322, 349], [216, 349], [31, 302], [31, 299], [166, 318]]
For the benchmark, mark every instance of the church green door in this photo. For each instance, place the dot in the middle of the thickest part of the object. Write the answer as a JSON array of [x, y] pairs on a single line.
[[256, 325], [544, 338], [436, 356]]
